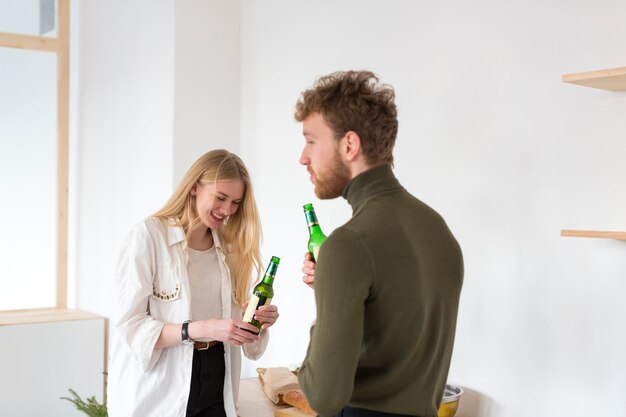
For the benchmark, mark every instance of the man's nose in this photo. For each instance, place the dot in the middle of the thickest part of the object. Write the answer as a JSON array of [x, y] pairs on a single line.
[[304, 159]]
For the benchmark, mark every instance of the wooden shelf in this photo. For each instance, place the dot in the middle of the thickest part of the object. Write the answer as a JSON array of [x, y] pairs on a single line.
[[594, 234], [613, 79], [43, 315]]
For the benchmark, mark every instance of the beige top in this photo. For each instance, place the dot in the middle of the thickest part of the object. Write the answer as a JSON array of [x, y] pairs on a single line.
[[205, 281]]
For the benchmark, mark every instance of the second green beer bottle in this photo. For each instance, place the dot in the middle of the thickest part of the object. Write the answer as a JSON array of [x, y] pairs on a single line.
[[262, 293], [316, 236]]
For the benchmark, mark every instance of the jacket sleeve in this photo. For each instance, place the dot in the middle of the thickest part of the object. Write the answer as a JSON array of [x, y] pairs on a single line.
[[343, 276], [256, 349], [134, 279]]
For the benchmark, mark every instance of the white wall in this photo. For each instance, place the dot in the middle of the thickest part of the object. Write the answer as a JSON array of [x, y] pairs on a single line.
[[492, 139], [157, 86], [489, 137], [122, 134], [206, 96]]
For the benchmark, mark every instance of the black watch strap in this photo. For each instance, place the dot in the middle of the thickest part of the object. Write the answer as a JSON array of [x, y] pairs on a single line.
[[184, 332]]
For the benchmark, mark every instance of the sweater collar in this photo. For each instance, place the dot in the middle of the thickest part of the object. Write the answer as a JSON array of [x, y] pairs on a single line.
[[368, 183]]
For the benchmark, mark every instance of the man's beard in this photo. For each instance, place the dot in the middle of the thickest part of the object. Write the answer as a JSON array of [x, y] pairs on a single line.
[[330, 183]]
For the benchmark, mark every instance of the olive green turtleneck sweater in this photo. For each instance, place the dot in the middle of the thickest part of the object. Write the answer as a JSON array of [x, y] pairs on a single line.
[[387, 287]]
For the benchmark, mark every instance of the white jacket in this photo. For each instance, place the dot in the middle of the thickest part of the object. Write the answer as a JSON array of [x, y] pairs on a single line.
[[153, 289]]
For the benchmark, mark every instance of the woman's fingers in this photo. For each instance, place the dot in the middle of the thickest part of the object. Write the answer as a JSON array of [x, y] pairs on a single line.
[[267, 315], [245, 332]]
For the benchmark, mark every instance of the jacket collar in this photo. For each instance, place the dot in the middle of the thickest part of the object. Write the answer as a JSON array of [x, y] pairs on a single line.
[[176, 234]]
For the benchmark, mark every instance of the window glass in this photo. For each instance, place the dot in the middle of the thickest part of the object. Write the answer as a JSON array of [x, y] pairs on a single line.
[[28, 178], [28, 17]]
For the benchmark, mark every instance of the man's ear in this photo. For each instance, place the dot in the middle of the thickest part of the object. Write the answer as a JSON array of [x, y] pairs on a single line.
[[350, 146]]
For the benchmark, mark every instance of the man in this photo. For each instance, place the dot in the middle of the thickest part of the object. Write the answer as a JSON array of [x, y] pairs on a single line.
[[387, 283]]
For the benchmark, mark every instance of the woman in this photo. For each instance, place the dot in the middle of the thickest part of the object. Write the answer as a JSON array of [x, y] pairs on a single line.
[[183, 278]]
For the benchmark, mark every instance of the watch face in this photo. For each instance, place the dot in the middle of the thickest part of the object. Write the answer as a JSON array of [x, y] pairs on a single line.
[[184, 332]]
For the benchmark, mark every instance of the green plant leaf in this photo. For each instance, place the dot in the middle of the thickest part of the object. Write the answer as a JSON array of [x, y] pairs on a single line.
[[90, 406]]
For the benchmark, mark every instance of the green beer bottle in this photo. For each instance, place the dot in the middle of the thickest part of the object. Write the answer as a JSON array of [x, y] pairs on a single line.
[[316, 236], [262, 293]]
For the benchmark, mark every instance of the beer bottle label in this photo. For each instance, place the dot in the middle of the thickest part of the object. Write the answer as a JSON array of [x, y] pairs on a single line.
[[254, 303]]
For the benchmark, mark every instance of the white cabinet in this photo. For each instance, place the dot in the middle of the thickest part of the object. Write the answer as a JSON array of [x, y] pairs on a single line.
[[45, 352]]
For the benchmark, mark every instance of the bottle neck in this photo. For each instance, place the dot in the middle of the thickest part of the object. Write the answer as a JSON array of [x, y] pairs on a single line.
[[311, 220], [315, 229], [268, 278]]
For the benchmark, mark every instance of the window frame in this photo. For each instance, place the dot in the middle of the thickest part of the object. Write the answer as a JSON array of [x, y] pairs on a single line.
[[58, 45]]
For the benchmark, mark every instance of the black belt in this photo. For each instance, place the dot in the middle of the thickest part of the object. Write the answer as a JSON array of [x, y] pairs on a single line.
[[206, 345]]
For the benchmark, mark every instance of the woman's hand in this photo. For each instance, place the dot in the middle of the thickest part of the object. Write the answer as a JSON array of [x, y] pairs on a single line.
[[308, 269], [266, 315], [235, 332]]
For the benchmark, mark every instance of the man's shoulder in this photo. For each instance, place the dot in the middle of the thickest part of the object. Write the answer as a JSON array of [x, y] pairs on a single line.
[[346, 233], [344, 242]]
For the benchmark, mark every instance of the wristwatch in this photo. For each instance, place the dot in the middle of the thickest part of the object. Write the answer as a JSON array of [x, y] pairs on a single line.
[[184, 332]]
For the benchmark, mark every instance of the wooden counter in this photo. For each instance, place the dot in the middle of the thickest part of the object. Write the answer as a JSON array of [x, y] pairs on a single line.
[[254, 403], [252, 400]]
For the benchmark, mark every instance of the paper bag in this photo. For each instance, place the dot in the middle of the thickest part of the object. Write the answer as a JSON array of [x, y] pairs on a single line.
[[276, 381]]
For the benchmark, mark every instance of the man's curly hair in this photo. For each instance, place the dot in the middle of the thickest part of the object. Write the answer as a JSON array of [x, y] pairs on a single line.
[[355, 101]]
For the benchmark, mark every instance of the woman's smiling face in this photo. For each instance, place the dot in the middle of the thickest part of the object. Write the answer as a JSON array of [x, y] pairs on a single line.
[[215, 202]]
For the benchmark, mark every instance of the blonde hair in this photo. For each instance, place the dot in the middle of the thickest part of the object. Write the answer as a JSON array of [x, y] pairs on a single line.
[[241, 233]]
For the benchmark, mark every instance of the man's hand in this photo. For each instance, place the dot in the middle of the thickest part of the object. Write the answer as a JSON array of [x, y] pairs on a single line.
[[308, 269]]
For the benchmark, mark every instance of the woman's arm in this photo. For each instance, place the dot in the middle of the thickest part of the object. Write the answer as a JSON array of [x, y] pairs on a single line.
[[134, 272], [231, 331]]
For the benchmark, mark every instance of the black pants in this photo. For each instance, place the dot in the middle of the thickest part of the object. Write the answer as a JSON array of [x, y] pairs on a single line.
[[206, 396], [361, 412]]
